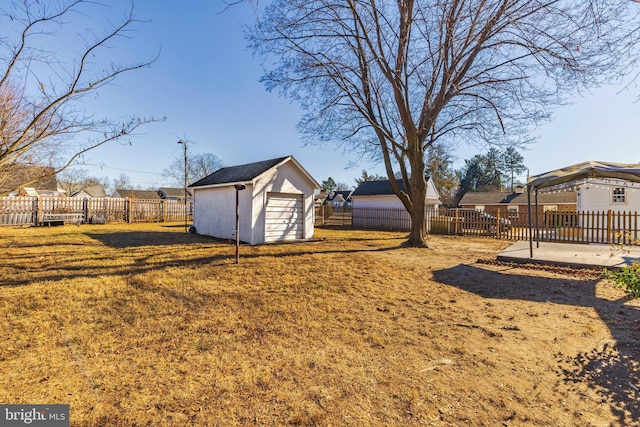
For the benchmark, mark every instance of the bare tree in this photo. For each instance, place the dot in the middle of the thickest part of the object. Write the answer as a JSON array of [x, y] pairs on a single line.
[[122, 182], [42, 84], [342, 186], [73, 180], [391, 78], [198, 166]]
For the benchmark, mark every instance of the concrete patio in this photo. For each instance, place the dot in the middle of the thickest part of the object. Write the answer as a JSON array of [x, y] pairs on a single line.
[[569, 254]]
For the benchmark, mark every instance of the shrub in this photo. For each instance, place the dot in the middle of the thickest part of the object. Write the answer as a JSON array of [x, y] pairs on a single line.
[[627, 279]]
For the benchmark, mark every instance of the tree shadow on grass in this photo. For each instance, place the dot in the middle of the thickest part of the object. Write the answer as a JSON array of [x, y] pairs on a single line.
[[170, 252], [130, 239], [121, 240], [613, 368]]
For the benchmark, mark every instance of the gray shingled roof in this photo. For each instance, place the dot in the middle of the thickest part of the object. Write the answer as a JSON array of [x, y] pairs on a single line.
[[505, 198], [96, 190], [240, 173], [376, 188], [167, 192], [345, 195]]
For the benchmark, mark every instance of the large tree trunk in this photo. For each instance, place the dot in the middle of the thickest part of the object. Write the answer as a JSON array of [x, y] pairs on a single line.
[[418, 194], [418, 234]]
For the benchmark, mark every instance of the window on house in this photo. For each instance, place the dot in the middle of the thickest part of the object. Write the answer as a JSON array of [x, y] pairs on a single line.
[[512, 212], [550, 208], [618, 195], [480, 208]]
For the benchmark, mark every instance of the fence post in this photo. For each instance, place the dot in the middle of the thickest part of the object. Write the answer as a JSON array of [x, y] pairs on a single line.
[[38, 216], [127, 210], [85, 209]]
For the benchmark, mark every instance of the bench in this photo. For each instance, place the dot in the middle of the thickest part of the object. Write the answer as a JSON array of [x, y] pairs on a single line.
[[62, 218]]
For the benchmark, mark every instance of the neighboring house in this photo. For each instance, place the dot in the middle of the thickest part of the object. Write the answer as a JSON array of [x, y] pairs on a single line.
[[276, 203], [173, 193], [602, 195], [378, 194], [515, 204], [340, 198], [137, 194], [91, 192], [375, 205], [25, 180], [319, 198]]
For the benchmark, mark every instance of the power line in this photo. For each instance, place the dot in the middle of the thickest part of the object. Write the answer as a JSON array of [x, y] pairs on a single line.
[[121, 169]]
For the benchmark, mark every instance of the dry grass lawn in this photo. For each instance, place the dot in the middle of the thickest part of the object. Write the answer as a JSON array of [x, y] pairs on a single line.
[[144, 325]]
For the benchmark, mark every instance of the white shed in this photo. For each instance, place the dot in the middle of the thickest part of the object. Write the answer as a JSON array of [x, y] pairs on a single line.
[[276, 204]]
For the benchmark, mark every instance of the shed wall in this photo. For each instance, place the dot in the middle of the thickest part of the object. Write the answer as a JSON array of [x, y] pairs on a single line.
[[215, 212]]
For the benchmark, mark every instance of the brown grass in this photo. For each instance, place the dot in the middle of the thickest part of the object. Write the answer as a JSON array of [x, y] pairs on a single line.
[[146, 325]]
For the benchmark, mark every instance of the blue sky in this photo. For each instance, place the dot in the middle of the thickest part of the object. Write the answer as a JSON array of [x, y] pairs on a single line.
[[206, 83]]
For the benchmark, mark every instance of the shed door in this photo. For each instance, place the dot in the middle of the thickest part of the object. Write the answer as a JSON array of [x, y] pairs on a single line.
[[284, 217]]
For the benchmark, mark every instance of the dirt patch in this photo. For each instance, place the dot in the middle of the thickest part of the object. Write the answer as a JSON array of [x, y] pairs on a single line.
[[351, 329]]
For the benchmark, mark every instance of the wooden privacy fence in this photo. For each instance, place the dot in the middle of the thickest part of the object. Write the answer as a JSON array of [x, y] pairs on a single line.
[[32, 210], [606, 227]]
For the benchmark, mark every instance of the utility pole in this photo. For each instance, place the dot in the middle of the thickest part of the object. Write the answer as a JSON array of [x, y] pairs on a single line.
[[239, 188], [186, 215]]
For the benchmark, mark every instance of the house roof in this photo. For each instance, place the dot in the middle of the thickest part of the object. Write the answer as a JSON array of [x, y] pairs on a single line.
[[383, 188], [377, 188], [590, 169], [29, 191], [96, 190], [173, 192], [15, 176], [507, 198], [246, 173], [138, 194], [340, 196]]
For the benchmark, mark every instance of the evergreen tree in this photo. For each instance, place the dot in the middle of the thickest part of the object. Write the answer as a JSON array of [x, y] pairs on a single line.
[[513, 164], [366, 177], [328, 185], [445, 179], [493, 168]]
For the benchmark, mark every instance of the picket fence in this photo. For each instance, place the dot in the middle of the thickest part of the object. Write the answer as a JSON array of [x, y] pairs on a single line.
[[606, 227], [32, 210]]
